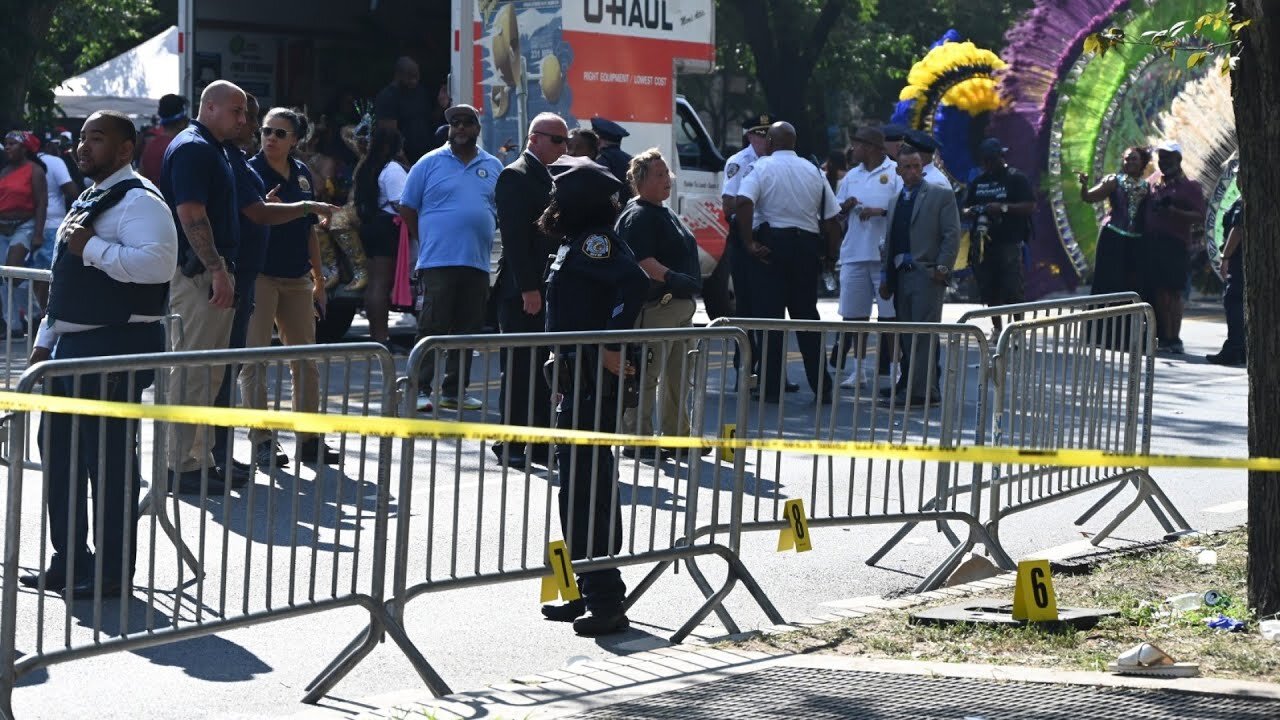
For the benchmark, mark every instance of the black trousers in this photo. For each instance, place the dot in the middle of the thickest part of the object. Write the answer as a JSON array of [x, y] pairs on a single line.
[[517, 365], [744, 270], [787, 286], [246, 282], [587, 496], [1233, 304], [113, 443]]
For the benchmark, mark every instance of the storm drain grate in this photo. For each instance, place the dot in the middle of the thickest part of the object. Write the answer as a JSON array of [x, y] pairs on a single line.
[[817, 694]]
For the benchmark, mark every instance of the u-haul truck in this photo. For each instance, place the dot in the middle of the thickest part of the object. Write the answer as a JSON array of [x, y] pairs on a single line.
[[618, 59]]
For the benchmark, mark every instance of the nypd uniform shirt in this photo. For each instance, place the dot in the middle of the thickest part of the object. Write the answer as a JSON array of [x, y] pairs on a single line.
[[876, 188], [288, 250], [595, 284], [787, 192], [738, 167]]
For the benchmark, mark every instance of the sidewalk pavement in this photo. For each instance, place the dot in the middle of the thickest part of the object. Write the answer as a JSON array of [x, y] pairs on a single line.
[[693, 682]]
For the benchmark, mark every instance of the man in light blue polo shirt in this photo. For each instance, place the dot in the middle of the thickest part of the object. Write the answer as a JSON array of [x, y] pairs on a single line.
[[448, 206]]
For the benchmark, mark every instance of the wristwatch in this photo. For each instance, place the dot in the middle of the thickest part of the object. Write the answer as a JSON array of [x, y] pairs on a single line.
[[942, 269], [1004, 207]]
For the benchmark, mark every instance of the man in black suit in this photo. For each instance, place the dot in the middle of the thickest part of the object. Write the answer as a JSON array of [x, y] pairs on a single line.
[[523, 193]]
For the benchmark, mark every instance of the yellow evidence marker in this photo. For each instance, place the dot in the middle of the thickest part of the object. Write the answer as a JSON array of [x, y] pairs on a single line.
[[729, 431], [1033, 596], [796, 533], [561, 581]]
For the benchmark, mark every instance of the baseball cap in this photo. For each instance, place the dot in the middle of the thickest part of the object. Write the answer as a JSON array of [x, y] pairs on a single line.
[[461, 111], [1170, 146], [991, 147]]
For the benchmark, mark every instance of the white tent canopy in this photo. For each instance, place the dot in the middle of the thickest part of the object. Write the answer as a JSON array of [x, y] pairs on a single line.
[[132, 82]]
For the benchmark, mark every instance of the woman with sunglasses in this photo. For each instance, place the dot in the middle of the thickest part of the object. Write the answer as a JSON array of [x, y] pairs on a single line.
[[23, 201], [290, 292], [379, 182]]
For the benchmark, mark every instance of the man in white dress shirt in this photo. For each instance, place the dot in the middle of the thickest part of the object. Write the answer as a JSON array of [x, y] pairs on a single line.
[[784, 213], [865, 193], [115, 254]]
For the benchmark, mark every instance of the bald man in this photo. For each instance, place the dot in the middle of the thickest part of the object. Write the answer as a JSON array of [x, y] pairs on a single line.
[[522, 194], [785, 210], [198, 184], [405, 105]]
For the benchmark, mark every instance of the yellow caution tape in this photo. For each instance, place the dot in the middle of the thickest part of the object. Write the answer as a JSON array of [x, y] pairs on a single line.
[[378, 426]]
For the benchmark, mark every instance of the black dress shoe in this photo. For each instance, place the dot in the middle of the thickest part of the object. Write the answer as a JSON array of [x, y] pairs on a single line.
[[312, 449], [791, 387], [597, 624], [54, 582], [189, 482], [84, 590], [567, 612], [516, 461], [1225, 358], [268, 454], [541, 454]]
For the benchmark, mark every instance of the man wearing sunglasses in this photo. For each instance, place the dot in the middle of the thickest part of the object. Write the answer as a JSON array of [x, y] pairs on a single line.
[[523, 193], [448, 206]]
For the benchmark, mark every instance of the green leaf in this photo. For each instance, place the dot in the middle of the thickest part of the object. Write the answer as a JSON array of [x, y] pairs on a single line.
[[1236, 28], [1202, 21], [1196, 59]]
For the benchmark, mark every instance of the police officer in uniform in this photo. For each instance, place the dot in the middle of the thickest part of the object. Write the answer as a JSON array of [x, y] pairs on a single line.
[[743, 267], [594, 284], [784, 214], [611, 154]]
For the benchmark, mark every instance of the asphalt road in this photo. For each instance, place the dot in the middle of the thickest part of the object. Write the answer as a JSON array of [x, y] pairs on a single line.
[[480, 635]]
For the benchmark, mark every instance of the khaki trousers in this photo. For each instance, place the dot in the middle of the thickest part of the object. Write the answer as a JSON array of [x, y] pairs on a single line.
[[666, 381], [204, 327], [285, 303]]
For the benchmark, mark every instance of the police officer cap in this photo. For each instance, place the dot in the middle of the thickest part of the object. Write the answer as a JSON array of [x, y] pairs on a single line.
[[757, 123], [893, 132], [608, 129], [582, 181], [922, 141]]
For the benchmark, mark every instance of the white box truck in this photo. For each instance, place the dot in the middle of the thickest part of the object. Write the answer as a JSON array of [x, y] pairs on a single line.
[[512, 59]]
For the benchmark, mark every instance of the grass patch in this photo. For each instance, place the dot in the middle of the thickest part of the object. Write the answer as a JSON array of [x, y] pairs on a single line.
[[1136, 585]]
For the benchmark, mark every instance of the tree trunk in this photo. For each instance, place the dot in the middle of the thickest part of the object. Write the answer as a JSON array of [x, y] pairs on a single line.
[[1256, 93], [29, 21]]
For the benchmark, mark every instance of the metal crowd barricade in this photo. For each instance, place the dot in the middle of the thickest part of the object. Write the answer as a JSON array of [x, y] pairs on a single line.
[[18, 305], [875, 407], [294, 540], [1051, 307], [466, 518], [1077, 381]]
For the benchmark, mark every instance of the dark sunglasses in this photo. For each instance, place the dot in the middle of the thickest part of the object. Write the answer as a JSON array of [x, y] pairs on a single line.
[[556, 139], [280, 133], [463, 122]]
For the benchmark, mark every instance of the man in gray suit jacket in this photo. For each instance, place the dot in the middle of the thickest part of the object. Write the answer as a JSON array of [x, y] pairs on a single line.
[[922, 241]]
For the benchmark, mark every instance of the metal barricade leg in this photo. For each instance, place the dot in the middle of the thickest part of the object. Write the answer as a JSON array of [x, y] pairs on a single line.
[[1159, 495], [189, 559], [701, 581], [1102, 502], [380, 623]]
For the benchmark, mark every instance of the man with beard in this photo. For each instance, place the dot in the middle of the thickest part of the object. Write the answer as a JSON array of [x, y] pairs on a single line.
[[115, 254], [449, 207]]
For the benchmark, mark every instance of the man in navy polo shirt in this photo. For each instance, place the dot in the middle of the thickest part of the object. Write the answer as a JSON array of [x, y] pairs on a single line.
[[448, 205], [199, 186]]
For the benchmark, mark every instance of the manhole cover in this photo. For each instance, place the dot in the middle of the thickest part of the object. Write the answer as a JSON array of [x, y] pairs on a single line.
[[989, 611], [818, 694]]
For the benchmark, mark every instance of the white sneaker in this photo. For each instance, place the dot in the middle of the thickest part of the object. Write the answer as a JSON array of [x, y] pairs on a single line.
[[855, 376], [466, 403], [424, 403]]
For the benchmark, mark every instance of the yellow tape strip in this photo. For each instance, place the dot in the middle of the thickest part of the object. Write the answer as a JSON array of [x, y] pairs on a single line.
[[280, 420]]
